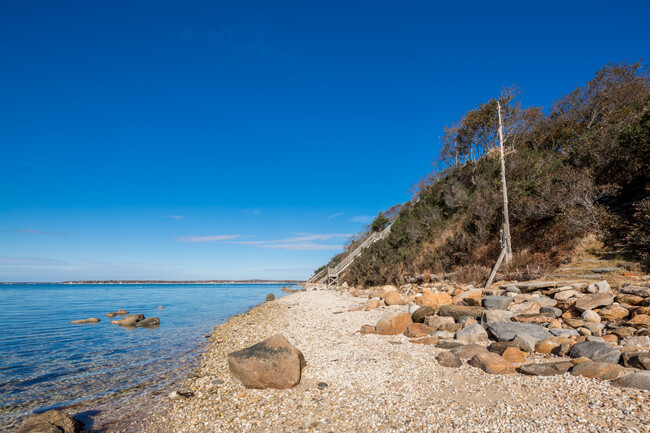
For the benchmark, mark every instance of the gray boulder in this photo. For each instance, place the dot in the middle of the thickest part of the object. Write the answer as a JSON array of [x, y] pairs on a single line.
[[638, 380], [557, 332], [556, 312], [506, 331], [472, 334], [596, 351], [525, 342], [547, 369], [496, 302], [148, 322], [448, 359], [491, 316], [468, 351], [644, 292]]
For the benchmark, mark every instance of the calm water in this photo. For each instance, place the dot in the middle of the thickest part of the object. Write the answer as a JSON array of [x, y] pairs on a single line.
[[46, 362]]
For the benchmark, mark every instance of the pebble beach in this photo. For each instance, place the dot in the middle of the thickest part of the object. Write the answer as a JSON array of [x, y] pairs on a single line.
[[368, 383]]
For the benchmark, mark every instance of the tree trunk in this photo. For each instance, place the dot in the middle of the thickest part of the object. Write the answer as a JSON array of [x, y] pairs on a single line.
[[506, 218]]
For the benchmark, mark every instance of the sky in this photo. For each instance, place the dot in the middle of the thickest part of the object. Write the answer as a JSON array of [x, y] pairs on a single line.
[[240, 139]]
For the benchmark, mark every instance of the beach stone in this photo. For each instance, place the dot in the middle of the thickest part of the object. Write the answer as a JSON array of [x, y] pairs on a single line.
[[271, 363], [448, 359], [596, 370], [434, 300], [52, 421], [599, 287], [547, 345], [643, 341], [129, 320], [270, 297], [472, 297], [599, 352], [558, 332], [538, 318], [472, 334], [506, 331], [436, 322], [643, 292], [636, 359], [394, 324], [614, 312], [525, 342], [111, 314], [596, 329], [640, 320], [451, 327], [500, 346], [590, 316], [544, 301], [465, 321], [148, 322], [528, 307], [89, 320], [387, 289], [373, 304], [417, 330], [496, 302], [467, 351], [491, 316], [121, 312], [492, 363], [443, 335], [563, 296], [367, 329], [421, 313], [623, 298], [574, 323], [412, 309], [427, 341], [556, 312], [546, 369], [458, 311], [514, 355], [623, 331], [589, 302], [638, 380], [393, 298]]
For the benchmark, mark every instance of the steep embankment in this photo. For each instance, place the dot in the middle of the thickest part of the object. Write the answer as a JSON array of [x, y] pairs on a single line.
[[577, 171]]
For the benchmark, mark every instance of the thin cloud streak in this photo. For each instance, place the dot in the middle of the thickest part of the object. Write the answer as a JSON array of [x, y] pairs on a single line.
[[303, 247], [302, 237], [335, 215], [361, 219], [201, 239]]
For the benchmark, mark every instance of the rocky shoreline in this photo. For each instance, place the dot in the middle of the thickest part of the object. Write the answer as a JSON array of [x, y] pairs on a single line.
[[366, 382]]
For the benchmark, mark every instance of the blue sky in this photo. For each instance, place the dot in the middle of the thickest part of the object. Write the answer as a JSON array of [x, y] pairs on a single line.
[[240, 139]]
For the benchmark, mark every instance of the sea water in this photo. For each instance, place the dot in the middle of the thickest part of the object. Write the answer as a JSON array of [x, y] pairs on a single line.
[[46, 362]]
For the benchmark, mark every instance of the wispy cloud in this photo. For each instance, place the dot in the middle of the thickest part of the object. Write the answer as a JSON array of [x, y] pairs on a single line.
[[338, 214], [301, 242], [361, 219], [33, 232], [30, 261], [214, 238], [176, 217], [303, 247]]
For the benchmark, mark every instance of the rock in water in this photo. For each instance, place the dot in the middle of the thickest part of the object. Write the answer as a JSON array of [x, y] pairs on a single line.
[[270, 297], [89, 320], [271, 363], [129, 320], [52, 421], [599, 352], [394, 324], [148, 322]]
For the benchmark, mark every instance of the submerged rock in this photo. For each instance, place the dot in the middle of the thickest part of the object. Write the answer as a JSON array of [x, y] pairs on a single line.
[[89, 320], [129, 320], [52, 421], [271, 363], [148, 322]]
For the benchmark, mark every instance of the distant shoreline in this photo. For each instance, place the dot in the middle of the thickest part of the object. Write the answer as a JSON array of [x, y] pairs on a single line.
[[122, 282]]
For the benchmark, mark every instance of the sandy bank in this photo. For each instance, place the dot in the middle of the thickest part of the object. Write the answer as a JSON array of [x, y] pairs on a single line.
[[381, 383]]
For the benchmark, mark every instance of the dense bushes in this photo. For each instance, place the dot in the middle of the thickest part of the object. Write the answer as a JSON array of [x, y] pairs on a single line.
[[581, 167]]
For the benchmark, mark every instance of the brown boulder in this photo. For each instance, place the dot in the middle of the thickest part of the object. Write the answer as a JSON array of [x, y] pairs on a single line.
[[271, 363], [373, 304], [393, 298], [422, 313], [472, 297], [596, 370], [52, 421], [514, 355], [89, 320], [547, 345], [393, 325], [417, 330], [448, 359], [596, 300], [367, 329], [640, 320], [434, 300], [614, 312], [492, 363], [129, 320]]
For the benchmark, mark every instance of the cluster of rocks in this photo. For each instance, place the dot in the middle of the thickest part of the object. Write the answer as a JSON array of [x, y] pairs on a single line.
[[129, 320], [600, 331]]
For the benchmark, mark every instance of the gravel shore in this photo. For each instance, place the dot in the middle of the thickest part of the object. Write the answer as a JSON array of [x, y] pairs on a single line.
[[370, 383]]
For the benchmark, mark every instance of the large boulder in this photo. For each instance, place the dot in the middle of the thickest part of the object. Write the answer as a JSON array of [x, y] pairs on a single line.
[[373, 304], [129, 320], [492, 363], [417, 330], [467, 351], [596, 351], [448, 359], [419, 315], [52, 421], [546, 369], [394, 324], [393, 298], [491, 316], [271, 363], [149, 322], [596, 370], [506, 331]]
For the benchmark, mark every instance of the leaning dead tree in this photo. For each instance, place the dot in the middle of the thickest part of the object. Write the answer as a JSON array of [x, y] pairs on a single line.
[[506, 243]]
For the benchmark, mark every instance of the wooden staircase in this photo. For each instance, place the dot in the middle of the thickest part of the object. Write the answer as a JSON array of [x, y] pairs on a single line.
[[333, 273]]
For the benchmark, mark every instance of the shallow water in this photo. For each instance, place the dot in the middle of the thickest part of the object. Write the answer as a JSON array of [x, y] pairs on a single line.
[[46, 362]]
